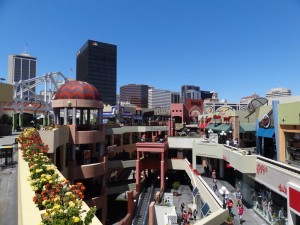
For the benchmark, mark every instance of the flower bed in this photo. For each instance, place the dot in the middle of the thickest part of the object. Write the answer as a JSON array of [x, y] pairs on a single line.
[[61, 200]]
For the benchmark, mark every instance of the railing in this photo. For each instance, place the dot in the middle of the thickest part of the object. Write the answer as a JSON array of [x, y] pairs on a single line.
[[280, 164]]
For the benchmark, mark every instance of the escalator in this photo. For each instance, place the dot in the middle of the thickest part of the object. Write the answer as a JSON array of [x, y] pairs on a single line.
[[142, 212]]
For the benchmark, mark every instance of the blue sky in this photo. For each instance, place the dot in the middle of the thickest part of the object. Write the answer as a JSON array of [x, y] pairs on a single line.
[[234, 47]]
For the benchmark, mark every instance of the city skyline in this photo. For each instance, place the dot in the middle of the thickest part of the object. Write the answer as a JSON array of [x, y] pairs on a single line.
[[234, 48]]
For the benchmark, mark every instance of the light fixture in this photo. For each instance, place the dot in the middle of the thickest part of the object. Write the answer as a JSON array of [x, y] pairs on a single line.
[[69, 103]]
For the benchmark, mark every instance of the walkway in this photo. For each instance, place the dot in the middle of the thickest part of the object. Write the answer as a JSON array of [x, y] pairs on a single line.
[[250, 217], [9, 187]]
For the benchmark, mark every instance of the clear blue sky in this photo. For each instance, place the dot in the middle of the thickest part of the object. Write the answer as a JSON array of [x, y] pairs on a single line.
[[234, 47]]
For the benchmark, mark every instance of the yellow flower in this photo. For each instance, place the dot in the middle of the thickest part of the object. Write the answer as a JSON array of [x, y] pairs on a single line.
[[56, 207], [44, 202], [76, 219], [71, 204]]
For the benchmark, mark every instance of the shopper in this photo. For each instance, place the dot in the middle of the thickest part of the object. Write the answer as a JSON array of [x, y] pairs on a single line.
[[214, 176], [241, 212], [195, 214], [229, 206], [238, 196]]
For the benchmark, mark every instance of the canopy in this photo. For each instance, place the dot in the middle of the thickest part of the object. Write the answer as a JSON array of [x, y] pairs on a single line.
[[263, 132], [247, 127]]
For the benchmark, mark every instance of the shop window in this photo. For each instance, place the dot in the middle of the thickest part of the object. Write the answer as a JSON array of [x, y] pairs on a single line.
[[292, 147]]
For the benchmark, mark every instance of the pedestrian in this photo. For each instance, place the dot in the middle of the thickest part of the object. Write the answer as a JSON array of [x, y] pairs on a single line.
[[241, 212], [195, 214], [190, 214], [214, 176], [238, 196], [184, 216], [235, 142], [215, 188], [182, 207], [229, 206], [227, 142]]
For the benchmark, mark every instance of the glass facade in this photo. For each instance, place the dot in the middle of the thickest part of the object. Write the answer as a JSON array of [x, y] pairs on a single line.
[[97, 65]]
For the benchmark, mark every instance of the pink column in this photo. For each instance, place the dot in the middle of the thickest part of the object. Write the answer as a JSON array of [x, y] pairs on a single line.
[[162, 171], [138, 175]]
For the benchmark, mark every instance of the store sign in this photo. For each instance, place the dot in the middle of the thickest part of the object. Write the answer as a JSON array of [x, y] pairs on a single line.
[[275, 177], [294, 196], [265, 121]]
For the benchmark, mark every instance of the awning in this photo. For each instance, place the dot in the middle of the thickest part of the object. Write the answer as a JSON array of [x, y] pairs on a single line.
[[263, 132], [222, 127], [247, 127]]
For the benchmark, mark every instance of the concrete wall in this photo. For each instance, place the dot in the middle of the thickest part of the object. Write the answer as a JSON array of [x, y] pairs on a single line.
[[28, 213]]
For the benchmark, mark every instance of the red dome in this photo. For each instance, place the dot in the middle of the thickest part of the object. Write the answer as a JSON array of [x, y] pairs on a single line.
[[77, 90]]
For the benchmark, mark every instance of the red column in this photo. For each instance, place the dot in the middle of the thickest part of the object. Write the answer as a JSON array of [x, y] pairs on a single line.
[[162, 171], [137, 174]]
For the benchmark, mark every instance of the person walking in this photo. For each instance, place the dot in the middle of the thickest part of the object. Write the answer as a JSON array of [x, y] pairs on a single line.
[[214, 176], [229, 206], [182, 207], [238, 196], [241, 212], [195, 214]]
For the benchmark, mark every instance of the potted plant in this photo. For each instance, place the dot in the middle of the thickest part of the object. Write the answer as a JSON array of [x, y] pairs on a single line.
[[229, 219], [175, 186]]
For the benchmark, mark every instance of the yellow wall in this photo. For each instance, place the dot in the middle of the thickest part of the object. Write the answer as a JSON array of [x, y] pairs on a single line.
[[6, 92]]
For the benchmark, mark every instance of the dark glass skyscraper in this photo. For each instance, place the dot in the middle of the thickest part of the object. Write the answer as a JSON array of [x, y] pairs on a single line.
[[97, 64]]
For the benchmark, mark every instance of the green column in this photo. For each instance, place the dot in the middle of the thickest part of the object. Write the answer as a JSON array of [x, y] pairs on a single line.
[[49, 120], [45, 121], [14, 122], [21, 120]]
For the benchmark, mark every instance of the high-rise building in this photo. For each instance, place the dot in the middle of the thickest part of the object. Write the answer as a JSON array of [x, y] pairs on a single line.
[[162, 98], [136, 94], [190, 91], [278, 92], [21, 67], [175, 97], [206, 94], [97, 64]]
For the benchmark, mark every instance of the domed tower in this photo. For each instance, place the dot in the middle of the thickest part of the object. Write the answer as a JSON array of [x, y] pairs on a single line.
[[78, 105]]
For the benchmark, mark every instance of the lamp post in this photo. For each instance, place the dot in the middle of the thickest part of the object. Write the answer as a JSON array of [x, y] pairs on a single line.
[[223, 191], [223, 134]]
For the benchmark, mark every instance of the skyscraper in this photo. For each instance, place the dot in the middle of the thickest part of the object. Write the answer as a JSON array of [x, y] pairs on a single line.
[[136, 94], [278, 92], [97, 64], [190, 91], [21, 67], [162, 98]]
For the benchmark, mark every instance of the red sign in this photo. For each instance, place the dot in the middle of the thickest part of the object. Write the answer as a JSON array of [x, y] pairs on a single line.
[[294, 197], [261, 169]]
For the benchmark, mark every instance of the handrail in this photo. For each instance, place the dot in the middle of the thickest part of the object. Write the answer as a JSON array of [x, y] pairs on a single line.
[[138, 206], [279, 164], [145, 219]]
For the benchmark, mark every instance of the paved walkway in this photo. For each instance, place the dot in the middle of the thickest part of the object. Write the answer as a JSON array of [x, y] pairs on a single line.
[[250, 217], [8, 186]]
